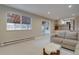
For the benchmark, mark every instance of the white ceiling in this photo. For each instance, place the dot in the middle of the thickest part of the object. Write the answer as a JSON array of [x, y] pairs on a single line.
[[56, 10]]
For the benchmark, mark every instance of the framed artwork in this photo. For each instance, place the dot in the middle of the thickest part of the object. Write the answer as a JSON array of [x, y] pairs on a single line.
[[17, 22], [26, 20], [13, 18]]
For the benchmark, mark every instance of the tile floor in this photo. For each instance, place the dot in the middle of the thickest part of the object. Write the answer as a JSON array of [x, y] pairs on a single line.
[[32, 47]]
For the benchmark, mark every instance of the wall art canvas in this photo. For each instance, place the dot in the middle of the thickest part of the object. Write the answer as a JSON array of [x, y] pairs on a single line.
[[13, 18]]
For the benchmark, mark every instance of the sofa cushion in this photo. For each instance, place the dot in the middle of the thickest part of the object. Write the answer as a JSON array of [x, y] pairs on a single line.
[[69, 42], [59, 33], [68, 47], [78, 36], [57, 40], [71, 35]]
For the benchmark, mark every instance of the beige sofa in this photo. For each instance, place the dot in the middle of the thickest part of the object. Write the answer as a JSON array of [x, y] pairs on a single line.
[[69, 44], [66, 39]]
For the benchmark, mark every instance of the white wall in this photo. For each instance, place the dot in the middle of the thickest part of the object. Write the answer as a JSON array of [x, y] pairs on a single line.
[[18, 34]]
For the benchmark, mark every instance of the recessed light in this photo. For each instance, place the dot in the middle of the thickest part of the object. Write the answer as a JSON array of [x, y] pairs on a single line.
[[73, 14], [70, 6], [48, 12], [62, 22]]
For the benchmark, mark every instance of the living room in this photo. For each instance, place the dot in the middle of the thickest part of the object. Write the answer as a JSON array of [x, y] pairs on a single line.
[[30, 29]]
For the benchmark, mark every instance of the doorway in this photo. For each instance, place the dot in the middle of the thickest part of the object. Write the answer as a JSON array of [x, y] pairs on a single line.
[[46, 27]]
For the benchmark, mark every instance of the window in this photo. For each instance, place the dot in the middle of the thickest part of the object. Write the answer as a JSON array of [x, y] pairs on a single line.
[[17, 22]]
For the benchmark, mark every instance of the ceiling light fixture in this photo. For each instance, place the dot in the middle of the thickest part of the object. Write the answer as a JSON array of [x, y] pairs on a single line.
[[48, 12], [70, 6], [62, 22]]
